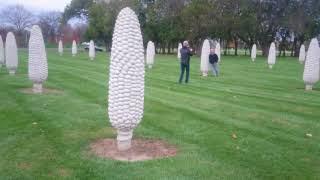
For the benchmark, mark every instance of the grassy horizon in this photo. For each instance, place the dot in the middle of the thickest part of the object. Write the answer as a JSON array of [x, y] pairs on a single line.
[[268, 111]]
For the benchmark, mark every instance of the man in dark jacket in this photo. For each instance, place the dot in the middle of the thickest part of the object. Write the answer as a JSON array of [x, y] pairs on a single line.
[[214, 61], [186, 53]]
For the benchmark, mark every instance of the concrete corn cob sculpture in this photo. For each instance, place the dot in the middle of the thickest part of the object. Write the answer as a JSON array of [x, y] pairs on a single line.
[[60, 48], [150, 54], [302, 54], [11, 52], [37, 64], [218, 51], [272, 55], [311, 67], [126, 83], [2, 61], [74, 48], [204, 67], [179, 48], [254, 52], [92, 50]]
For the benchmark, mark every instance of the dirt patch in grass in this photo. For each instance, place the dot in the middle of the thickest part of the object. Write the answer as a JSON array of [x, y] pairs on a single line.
[[24, 166], [64, 172], [45, 91], [141, 150]]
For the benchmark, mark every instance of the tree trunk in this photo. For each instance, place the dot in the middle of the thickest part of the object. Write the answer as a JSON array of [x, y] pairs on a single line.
[[169, 48], [265, 49], [235, 47], [225, 51]]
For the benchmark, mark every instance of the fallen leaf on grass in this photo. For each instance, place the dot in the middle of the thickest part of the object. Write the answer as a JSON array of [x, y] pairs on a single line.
[[234, 136]]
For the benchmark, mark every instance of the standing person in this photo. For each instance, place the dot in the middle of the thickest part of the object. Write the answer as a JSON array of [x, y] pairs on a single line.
[[213, 60], [186, 53]]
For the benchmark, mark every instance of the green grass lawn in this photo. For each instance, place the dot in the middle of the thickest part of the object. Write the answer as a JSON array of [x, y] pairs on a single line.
[[48, 136]]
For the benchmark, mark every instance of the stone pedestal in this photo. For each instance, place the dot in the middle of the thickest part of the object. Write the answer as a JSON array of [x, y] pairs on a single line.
[[309, 87], [124, 140], [12, 72], [37, 88], [205, 74]]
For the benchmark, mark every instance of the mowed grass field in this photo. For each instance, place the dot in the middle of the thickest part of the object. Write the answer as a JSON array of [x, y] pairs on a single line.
[[250, 123]]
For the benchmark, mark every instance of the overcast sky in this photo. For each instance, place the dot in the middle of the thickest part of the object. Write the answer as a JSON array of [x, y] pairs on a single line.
[[38, 5]]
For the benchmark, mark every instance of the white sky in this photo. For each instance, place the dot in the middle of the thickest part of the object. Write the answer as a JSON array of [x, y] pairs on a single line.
[[38, 5]]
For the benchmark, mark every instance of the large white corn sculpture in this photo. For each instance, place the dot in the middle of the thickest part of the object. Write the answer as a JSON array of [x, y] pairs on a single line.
[[254, 52], [60, 48], [218, 51], [272, 55], [2, 61], [74, 48], [11, 53], [126, 83], [38, 65], [311, 67], [204, 67], [92, 50], [302, 54], [179, 48], [151, 52]]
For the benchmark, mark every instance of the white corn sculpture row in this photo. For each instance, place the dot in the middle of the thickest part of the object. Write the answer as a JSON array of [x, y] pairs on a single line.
[[11, 53], [74, 48], [302, 54], [2, 59], [126, 83], [254, 53], [151, 52], [60, 48], [38, 65], [92, 50], [312, 65], [204, 67], [218, 51], [272, 55], [179, 53]]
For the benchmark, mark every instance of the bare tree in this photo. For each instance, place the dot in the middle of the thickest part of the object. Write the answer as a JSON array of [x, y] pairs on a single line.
[[18, 17], [50, 23]]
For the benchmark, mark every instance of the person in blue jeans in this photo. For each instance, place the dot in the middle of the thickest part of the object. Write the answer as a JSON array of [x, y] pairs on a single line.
[[186, 53], [214, 61]]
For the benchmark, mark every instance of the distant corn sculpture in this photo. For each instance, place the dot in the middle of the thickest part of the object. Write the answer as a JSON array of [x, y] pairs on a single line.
[[179, 48], [92, 50], [2, 61], [126, 83], [218, 51], [302, 54], [11, 52], [254, 52], [37, 64], [272, 55], [150, 54], [312, 63], [60, 48], [74, 48], [204, 66]]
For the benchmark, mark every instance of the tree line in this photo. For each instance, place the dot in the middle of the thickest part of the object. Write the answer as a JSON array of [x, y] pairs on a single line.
[[289, 23]]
